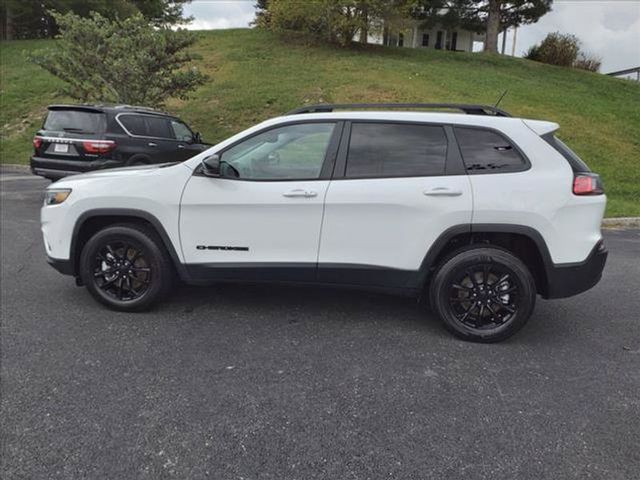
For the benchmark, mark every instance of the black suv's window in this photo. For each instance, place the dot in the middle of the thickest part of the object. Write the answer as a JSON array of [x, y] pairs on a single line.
[[181, 131], [147, 126], [488, 151], [75, 121], [134, 124], [159, 127], [396, 150]]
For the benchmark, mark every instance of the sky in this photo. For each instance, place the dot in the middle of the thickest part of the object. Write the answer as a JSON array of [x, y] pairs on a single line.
[[609, 29]]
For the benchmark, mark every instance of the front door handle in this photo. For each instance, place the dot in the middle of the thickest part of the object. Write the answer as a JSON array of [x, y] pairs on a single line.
[[442, 192], [151, 144], [299, 192], [180, 146]]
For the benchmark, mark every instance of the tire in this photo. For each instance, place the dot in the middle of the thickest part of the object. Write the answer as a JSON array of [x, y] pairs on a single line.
[[127, 283], [483, 294]]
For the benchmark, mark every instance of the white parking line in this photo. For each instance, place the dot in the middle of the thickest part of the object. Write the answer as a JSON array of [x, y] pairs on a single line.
[[6, 178]]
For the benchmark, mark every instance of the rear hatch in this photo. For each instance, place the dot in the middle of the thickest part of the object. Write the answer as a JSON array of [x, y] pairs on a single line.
[[73, 133]]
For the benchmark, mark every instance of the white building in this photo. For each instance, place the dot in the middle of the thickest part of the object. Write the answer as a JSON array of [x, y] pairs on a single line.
[[458, 40]]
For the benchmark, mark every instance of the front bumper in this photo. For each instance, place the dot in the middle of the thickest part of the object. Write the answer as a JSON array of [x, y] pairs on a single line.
[[568, 280], [63, 266], [54, 168]]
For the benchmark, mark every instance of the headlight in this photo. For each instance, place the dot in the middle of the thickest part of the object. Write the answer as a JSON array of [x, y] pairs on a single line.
[[56, 197]]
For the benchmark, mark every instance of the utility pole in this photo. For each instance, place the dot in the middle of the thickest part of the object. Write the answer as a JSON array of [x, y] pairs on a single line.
[[504, 40], [515, 37]]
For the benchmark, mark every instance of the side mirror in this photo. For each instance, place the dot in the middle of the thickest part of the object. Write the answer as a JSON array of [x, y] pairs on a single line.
[[197, 138], [211, 165]]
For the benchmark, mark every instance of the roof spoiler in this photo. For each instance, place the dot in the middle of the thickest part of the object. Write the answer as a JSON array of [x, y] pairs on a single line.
[[541, 127], [85, 108], [469, 109]]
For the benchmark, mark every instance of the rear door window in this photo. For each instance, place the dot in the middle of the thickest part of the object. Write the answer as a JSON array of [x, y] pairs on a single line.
[[159, 127], [77, 121], [134, 124], [486, 151], [396, 150]]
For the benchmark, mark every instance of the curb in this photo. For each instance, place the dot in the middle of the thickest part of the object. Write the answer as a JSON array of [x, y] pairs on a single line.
[[607, 223], [621, 222], [14, 168]]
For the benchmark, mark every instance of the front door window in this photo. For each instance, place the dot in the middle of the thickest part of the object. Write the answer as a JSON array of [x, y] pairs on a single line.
[[292, 152]]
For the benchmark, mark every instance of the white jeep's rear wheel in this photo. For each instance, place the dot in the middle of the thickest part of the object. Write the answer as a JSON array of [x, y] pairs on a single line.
[[483, 294]]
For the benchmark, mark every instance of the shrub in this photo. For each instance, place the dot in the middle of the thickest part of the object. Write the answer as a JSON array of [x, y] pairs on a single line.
[[588, 61], [556, 49], [533, 53]]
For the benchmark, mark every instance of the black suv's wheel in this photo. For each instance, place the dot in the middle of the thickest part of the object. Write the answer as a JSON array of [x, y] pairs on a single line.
[[483, 294], [125, 267]]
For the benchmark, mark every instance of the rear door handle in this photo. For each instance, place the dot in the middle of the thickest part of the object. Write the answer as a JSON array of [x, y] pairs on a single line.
[[299, 192], [442, 192], [180, 146], [151, 144]]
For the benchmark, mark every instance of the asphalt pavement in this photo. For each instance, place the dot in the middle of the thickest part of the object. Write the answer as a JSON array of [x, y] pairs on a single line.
[[264, 382]]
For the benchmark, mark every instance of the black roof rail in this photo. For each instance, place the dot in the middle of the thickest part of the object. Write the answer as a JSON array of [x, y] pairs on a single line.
[[469, 109]]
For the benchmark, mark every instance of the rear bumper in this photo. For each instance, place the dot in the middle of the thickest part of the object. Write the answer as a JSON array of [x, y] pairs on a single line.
[[54, 168], [568, 280]]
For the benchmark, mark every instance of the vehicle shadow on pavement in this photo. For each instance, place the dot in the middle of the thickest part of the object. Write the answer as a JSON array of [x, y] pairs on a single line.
[[298, 304]]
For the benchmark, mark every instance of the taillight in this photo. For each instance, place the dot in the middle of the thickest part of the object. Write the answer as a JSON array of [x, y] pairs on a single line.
[[37, 141], [98, 146], [587, 184]]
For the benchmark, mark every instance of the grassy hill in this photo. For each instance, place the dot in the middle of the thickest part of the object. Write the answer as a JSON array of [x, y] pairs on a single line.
[[255, 75]]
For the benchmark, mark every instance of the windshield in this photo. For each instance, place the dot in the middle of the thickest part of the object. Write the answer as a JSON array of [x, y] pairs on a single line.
[[75, 121]]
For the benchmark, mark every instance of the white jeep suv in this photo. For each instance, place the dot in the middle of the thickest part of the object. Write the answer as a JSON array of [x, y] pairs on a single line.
[[479, 210]]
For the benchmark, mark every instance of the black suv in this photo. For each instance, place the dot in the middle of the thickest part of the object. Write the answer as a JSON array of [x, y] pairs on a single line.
[[80, 138]]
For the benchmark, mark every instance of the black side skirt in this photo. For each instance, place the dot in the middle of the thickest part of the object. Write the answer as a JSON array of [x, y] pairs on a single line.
[[343, 275]]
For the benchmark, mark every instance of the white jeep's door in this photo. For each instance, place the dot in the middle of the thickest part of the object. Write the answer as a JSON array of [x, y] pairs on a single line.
[[261, 218], [402, 186]]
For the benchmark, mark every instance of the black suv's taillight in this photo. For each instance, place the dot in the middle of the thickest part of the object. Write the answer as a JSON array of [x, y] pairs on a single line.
[[98, 146], [37, 141], [587, 184]]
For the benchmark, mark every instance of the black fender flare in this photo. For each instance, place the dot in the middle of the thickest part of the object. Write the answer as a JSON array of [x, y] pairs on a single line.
[[126, 213], [469, 229]]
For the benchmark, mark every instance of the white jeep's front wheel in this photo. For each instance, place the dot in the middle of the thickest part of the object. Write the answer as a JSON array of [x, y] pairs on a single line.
[[125, 267]]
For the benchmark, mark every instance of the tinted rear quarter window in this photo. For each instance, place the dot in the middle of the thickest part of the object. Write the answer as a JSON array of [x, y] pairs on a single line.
[[75, 121], [486, 151], [396, 150]]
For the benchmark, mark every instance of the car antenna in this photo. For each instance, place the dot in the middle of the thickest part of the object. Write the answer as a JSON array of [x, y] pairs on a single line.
[[504, 94]]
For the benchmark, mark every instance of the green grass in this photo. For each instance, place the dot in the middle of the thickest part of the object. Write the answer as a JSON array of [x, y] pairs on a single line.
[[256, 75]]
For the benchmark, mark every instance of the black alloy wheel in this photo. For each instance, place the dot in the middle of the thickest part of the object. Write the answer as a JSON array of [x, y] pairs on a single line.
[[122, 271], [483, 293], [126, 267], [484, 297]]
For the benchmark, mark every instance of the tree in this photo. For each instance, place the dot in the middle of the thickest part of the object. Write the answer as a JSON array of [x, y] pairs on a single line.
[[334, 21], [121, 61], [262, 14], [31, 19], [488, 16], [162, 12]]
